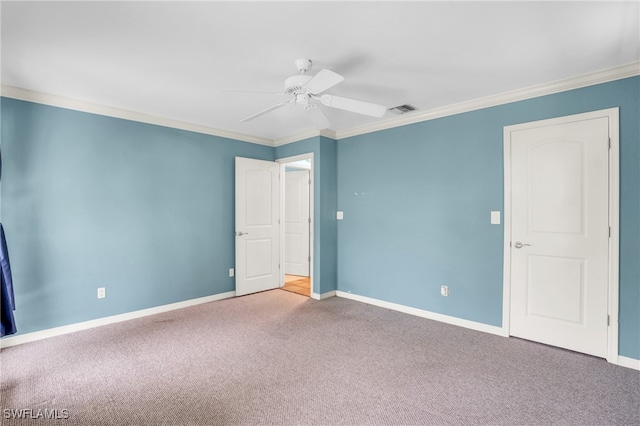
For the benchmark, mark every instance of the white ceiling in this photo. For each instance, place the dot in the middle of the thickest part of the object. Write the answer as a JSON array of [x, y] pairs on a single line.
[[171, 59]]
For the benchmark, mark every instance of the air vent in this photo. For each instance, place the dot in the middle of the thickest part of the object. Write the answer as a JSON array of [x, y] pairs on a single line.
[[403, 109]]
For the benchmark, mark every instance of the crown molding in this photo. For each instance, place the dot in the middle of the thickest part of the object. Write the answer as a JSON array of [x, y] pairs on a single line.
[[584, 80], [84, 106], [296, 138], [327, 133]]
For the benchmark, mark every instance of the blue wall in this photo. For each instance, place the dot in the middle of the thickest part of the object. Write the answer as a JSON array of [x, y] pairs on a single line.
[[325, 199], [147, 211], [416, 202], [90, 201]]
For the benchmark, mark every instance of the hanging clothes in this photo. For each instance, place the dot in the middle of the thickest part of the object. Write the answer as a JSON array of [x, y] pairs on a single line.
[[7, 301]]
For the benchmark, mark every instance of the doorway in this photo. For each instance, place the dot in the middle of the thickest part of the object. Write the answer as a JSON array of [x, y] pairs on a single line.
[[561, 232], [297, 219]]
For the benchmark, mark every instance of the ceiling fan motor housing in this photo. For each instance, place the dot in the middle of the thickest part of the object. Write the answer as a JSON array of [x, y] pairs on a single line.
[[303, 65], [294, 85]]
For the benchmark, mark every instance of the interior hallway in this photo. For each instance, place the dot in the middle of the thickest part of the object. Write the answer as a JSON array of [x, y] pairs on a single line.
[[297, 284]]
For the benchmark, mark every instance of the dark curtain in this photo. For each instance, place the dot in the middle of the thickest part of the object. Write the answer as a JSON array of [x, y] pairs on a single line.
[[7, 303]]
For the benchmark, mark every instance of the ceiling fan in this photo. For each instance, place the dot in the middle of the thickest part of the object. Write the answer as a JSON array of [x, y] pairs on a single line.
[[306, 90]]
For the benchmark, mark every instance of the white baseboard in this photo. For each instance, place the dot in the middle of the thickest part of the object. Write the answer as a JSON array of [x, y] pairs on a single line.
[[621, 360], [71, 328], [632, 363], [426, 314], [323, 296]]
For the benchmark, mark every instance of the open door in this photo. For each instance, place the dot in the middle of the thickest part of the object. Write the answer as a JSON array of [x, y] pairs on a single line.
[[305, 216], [296, 223], [257, 225]]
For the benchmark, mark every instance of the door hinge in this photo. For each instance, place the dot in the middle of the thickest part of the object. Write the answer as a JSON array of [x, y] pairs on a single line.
[[609, 143], [309, 259], [309, 181], [609, 232], [309, 220], [278, 266], [608, 320]]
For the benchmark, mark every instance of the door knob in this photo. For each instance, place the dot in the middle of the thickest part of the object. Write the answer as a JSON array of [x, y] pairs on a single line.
[[518, 244], [240, 233]]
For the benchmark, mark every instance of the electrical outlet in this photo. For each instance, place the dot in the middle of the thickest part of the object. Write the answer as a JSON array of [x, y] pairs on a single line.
[[232, 272], [102, 293], [444, 290]]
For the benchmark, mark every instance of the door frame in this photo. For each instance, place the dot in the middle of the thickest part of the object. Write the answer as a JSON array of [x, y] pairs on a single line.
[[283, 163], [614, 211]]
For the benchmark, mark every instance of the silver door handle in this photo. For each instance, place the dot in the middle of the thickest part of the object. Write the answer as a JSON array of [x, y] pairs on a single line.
[[240, 233], [518, 244]]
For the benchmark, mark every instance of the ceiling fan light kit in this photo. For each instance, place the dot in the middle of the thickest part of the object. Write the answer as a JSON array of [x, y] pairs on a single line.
[[305, 91]]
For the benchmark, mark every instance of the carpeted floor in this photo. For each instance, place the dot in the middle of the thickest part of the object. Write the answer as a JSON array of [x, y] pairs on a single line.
[[283, 359]]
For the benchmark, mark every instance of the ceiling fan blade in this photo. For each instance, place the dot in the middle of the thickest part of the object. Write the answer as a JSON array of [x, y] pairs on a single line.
[[360, 107], [318, 117], [252, 91], [271, 108], [322, 81]]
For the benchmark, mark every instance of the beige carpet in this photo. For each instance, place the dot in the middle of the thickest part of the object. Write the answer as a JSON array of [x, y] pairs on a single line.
[[282, 359]]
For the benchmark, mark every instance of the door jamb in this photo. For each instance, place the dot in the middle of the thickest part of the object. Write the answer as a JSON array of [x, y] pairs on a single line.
[[283, 163], [614, 202]]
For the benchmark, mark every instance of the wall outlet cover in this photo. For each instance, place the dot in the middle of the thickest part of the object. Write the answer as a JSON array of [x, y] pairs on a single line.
[[495, 218]]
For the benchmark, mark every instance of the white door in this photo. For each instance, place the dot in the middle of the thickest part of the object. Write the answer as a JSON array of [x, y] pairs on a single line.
[[257, 225], [559, 234], [296, 217]]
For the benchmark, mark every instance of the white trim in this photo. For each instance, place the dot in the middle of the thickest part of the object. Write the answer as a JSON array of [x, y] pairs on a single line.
[[623, 361], [614, 241], [424, 314], [500, 331], [328, 133], [296, 158], [72, 328], [323, 296], [296, 138], [108, 111], [584, 80], [614, 200], [506, 245], [283, 163]]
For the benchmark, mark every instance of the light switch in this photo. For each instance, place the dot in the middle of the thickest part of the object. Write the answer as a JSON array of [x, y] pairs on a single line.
[[340, 215], [495, 218]]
